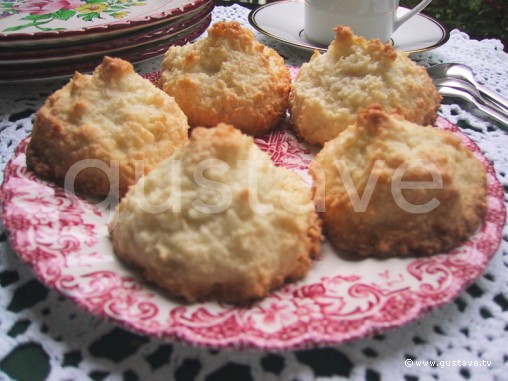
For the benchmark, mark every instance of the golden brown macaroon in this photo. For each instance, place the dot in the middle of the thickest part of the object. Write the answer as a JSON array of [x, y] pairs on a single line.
[[228, 77], [364, 180], [104, 130], [218, 220], [329, 90]]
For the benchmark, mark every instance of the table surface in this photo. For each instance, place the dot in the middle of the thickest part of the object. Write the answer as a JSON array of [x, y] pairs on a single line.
[[44, 336]]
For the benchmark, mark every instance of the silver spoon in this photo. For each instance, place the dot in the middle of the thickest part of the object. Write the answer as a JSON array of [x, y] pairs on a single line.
[[465, 73], [465, 86], [479, 103]]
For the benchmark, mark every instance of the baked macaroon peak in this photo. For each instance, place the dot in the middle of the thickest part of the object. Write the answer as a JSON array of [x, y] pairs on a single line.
[[112, 69], [218, 221], [233, 32], [223, 139], [374, 119], [346, 42]]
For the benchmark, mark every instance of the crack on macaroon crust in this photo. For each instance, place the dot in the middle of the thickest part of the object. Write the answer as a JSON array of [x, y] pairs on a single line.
[[228, 77]]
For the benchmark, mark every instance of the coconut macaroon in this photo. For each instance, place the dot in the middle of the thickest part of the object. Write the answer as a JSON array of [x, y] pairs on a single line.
[[228, 77], [104, 130], [389, 187], [329, 90], [217, 220]]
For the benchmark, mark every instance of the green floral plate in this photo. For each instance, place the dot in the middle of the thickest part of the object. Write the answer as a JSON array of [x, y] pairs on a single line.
[[23, 21], [19, 59]]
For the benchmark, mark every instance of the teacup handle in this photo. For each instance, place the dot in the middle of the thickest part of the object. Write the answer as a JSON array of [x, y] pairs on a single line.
[[402, 19]]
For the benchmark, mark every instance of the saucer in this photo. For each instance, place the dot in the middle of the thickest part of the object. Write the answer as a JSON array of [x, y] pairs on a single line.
[[284, 21]]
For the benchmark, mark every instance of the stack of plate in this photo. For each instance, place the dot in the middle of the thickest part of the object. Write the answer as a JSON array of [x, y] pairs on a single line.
[[54, 38]]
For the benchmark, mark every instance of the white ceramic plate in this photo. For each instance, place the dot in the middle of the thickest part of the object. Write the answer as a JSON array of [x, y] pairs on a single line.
[[65, 240], [284, 21]]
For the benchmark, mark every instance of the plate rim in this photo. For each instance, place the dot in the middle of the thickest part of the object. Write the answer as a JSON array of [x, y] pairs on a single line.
[[306, 45]]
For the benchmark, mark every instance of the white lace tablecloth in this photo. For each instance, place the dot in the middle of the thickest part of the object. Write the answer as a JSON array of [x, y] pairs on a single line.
[[473, 327]]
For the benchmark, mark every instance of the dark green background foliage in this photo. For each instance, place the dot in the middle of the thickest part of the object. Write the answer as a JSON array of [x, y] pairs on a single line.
[[480, 19]]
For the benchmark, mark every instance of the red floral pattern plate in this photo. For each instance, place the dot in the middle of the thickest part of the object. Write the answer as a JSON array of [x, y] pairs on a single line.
[[65, 240]]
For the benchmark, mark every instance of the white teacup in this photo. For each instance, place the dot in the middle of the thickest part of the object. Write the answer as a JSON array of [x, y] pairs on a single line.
[[367, 18]]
